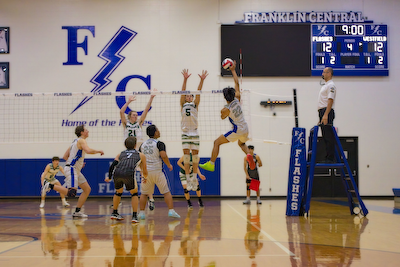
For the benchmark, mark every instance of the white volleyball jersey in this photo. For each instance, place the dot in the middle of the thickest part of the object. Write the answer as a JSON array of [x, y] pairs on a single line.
[[133, 129], [2, 77], [52, 172], [3, 42], [236, 116], [328, 91], [189, 119], [150, 149], [76, 156]]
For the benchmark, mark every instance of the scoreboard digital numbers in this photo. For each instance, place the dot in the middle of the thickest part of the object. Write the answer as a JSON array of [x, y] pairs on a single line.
[[350, 49]]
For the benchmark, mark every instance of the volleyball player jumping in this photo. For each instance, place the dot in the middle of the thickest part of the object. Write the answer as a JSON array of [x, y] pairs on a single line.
[[240, 129]]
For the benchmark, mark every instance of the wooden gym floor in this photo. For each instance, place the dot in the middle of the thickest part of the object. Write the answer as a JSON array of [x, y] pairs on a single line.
[[224, 233]]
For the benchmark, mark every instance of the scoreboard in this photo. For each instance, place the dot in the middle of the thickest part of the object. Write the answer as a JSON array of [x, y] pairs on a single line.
[[305, 49], [350, 49]]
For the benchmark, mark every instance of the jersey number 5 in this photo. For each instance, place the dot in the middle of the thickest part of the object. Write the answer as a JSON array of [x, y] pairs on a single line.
[[187, 112]]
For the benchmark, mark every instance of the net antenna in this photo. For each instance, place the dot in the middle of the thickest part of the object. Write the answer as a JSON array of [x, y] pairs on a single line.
[[241, 69], [296, 116]]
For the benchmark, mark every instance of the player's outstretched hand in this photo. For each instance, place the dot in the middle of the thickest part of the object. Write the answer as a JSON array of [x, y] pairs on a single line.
[[170, 168], [131, 98], [101, 152], [203, 75], [202, 177], [153, 92], [233, 66], [185, 73], [107, 180]]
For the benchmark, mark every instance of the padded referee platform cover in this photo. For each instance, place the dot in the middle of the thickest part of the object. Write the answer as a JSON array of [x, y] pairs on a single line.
[[297, 172], [396, 192], [254, 185]]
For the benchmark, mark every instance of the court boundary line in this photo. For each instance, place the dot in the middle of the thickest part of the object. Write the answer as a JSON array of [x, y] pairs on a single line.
[[26, 243], [277, 243]]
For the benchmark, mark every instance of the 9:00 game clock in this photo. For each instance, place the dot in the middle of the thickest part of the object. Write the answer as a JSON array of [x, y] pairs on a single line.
[[350, 49]]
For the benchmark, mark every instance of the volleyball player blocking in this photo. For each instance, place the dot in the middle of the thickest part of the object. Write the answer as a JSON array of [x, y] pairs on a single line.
[[132, 124], [240, 129], [189, 125]]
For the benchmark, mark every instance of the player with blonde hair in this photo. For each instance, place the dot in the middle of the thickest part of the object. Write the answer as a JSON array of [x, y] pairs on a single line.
[[189, 125], [132, 124]]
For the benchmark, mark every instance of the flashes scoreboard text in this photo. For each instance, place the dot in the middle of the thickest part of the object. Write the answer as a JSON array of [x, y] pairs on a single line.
[[350, 49]]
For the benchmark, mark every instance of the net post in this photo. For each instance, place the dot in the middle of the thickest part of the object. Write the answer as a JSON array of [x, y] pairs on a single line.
[[296, 116]]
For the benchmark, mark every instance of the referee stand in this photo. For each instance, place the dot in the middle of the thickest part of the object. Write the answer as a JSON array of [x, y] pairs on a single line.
[[355, 202]]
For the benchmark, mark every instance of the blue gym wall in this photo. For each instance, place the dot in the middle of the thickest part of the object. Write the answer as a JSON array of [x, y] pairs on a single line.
[[21, 177]]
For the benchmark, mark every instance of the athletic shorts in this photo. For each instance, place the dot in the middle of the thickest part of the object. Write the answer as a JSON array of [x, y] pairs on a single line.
[[190, 142], [52, 181], [155, 178], [130, 183], [73, 178], [237, 134]]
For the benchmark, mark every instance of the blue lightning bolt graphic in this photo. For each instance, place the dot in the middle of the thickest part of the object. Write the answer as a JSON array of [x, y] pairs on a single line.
[[111, 54]]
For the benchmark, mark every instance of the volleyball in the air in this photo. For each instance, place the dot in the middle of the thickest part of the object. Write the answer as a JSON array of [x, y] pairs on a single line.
[[227, 63]]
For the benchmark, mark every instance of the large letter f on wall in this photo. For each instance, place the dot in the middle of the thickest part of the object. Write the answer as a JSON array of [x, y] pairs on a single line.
[[73, 43]]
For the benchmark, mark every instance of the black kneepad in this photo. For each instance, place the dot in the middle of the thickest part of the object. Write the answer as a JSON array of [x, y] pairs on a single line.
[[118, 194], [198, 188], [134, 194], [185, 191], [71, 192]]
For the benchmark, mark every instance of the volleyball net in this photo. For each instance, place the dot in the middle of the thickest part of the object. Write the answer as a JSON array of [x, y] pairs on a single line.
[[52, 117]]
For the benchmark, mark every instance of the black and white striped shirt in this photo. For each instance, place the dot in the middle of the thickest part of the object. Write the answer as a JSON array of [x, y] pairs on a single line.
[[128, 160]]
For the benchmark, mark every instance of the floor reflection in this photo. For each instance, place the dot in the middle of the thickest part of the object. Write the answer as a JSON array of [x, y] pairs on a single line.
[[253, 229], [122, 257], [190, 242], [325, 241], [224, 233], [64, 236], [150, 256]]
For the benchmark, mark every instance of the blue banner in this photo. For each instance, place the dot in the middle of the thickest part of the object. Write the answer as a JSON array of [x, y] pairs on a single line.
[[297, 172], [21, 177]]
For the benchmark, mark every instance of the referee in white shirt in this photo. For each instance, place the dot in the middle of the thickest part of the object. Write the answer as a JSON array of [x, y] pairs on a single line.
[[326, 104]]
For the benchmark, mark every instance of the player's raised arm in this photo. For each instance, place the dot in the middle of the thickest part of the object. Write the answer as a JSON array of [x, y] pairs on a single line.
[[82, 144], [186, 75], [146, 110], [123, 109], [202, 76], [235, 79]]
